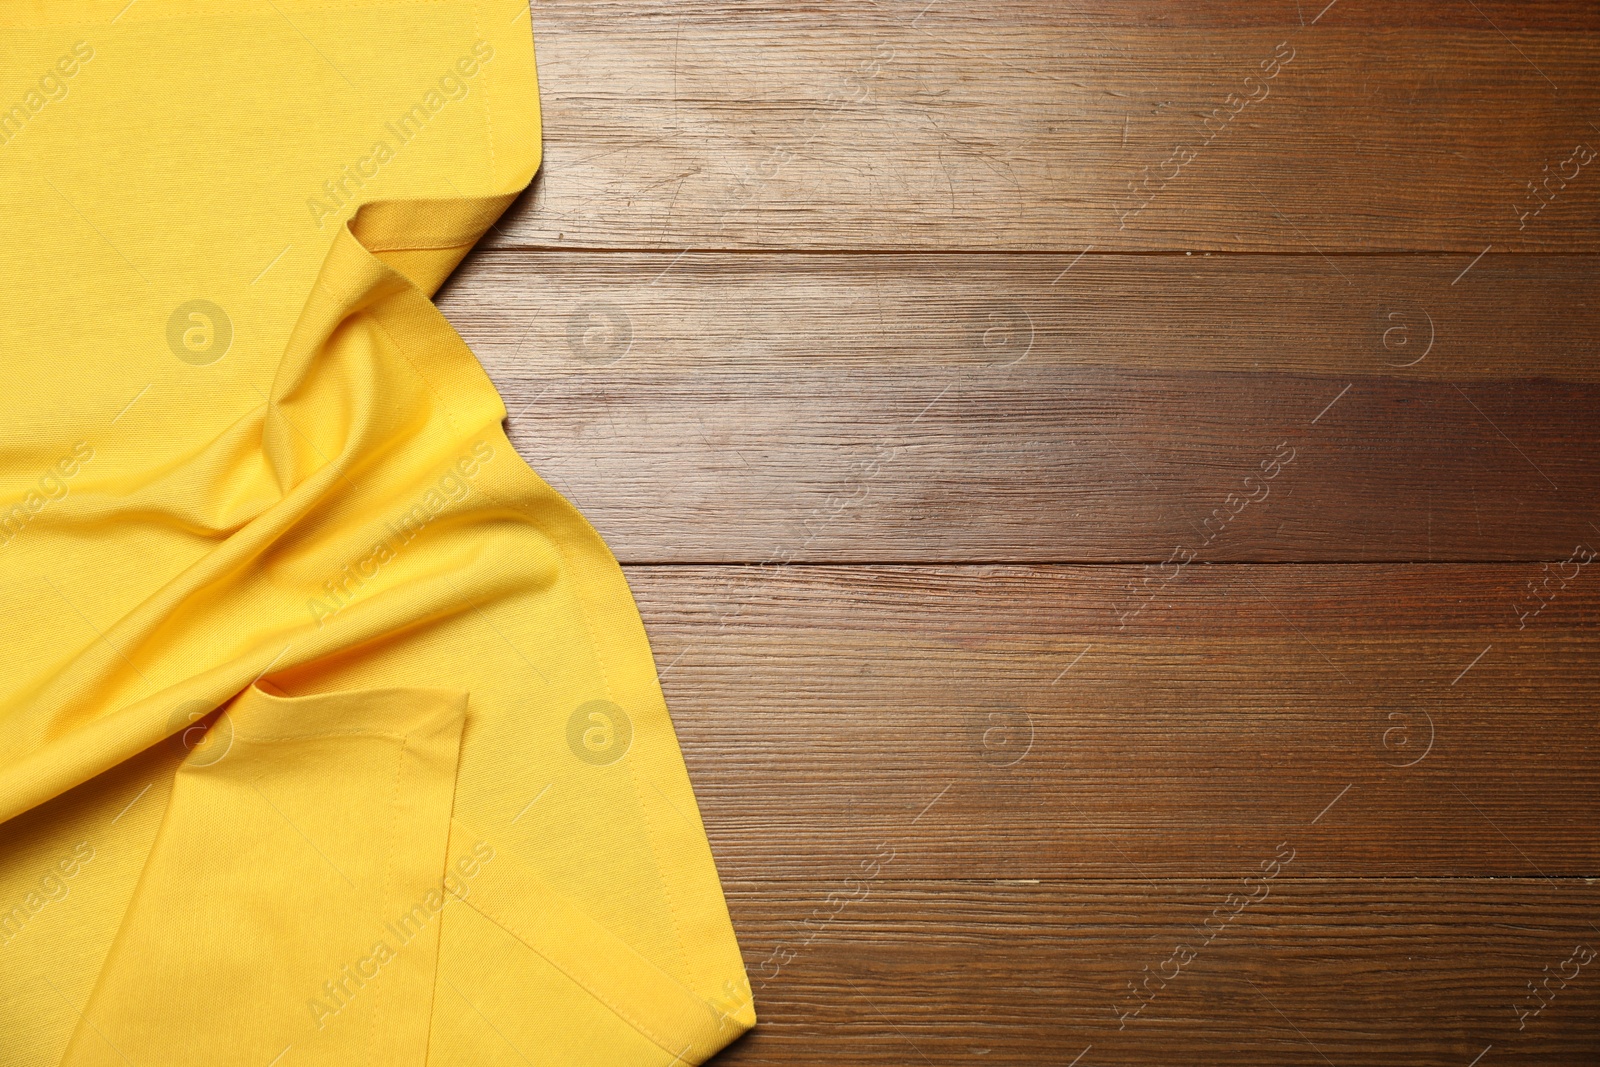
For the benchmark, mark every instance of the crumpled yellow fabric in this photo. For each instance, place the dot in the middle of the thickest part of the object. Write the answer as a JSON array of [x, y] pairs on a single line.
[[329, 732]]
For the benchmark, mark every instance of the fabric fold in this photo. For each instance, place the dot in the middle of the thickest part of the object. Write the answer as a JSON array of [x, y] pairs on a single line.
[[301, 615], [304, 847]]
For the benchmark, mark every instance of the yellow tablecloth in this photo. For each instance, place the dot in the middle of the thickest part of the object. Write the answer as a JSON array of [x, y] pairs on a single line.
[[330, 732]]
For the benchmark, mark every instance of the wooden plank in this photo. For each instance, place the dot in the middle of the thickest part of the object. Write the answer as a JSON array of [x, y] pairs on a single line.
[[940, 972], [872, 408], [904, 125], [1509, 15], [1038, 722], [542, 315]]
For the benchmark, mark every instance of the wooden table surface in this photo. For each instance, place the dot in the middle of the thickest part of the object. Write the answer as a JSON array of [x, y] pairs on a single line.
[[1112, 490]]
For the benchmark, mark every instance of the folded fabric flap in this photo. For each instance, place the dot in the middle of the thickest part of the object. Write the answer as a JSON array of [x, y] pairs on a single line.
[[426, 240], [290, 905], [598, 966]]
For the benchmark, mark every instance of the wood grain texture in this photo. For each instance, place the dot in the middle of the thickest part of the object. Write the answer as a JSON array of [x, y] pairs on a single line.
[[1413, 972], [782, 407], [533, 317], [935, 369], [903, 125], [1508, 15], [1056, 722]]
